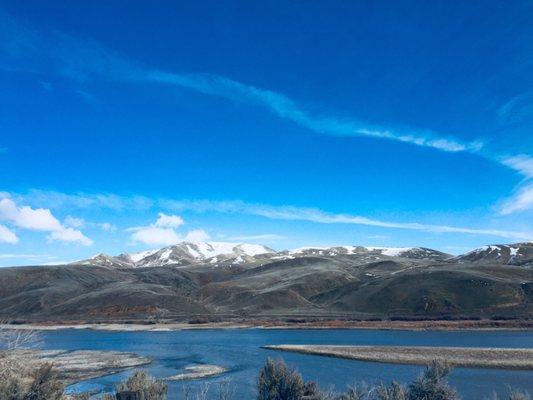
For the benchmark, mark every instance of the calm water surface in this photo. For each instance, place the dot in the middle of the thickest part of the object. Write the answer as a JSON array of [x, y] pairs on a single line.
[[239, 351]]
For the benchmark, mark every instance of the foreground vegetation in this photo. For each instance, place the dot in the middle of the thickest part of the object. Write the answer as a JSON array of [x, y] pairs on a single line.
[[20, 380]]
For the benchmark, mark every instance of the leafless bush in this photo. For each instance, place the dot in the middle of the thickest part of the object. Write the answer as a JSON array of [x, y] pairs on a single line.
[[277, 382], [513, 395], [433, 384], [394, 391], [141, 382], [226, 390], [21, 377]]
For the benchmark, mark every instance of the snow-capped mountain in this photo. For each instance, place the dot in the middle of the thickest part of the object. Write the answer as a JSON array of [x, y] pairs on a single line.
[[186, 253], [406, 252], [510, 254], [225, 253]]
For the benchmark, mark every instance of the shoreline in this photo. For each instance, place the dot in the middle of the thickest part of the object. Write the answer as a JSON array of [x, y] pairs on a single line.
[[426, 325]]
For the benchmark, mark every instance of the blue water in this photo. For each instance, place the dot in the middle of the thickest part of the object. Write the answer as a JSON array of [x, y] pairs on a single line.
[[240, 351]]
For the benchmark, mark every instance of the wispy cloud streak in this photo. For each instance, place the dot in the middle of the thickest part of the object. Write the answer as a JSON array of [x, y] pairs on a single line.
[[84, 60], [52, 52], [315, 215], [284, 212], [286, 108]]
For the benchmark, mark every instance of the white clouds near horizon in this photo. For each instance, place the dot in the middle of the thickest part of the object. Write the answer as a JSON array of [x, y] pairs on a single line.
[[36, 219], [7, 235], [275, 212], [163, 232]]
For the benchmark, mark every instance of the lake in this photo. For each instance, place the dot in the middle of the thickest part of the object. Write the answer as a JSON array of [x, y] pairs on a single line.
[[239, 350]]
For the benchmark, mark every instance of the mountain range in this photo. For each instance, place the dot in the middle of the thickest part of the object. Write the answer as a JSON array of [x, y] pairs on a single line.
[[229, 281], [225, 253]]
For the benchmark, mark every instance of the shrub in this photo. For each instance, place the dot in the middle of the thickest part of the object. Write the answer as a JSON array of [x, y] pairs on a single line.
[[23, 379], [433, 384], [394, 391], [277, 382], [45, 384], [144, 386]]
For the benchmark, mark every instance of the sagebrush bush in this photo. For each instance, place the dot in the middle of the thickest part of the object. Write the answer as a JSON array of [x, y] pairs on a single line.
[[394, 391], [147, 387], [277, 382], [24, 379], [433, 384]]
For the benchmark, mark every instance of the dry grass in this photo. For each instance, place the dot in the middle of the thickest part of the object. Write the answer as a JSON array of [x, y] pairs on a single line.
[[457, 356]]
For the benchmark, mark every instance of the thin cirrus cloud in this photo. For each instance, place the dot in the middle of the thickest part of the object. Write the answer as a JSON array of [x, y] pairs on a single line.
[[291, 213], [60, 54], [520, 201], [284, 212], [35, 219]]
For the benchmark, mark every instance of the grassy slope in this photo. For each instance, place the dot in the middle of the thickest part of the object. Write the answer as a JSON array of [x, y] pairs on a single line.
[[310, 286]]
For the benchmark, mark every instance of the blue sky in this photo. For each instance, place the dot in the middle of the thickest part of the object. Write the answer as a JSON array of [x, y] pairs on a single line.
[[284, 123]]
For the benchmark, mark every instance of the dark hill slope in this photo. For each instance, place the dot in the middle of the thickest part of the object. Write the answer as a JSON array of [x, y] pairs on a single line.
[[322, 286]]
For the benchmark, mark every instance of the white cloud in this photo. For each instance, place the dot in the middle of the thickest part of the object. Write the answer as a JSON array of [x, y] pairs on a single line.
[[74, 222], [522, 200], [7, 236], [155, 236], [38, 219], [83, 60], [63, 201], [162, 232], [196, 235], [25, 217], [521, 163], [70, 235], [292, 213], [169, 221]]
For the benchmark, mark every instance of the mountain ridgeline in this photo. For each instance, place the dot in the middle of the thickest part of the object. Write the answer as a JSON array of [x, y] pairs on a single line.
[[237, 281]]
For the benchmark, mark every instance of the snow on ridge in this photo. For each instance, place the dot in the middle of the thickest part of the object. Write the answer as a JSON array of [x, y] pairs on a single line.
[[214, 249], [136, 257], [306, 248], [392, 251]]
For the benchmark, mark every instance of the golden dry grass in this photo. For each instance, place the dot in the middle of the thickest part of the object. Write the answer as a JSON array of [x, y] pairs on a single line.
[[505, 358]]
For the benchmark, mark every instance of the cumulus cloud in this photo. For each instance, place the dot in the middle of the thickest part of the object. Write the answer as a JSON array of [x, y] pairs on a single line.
[[169, 221], [162, 232], [70, 235], [7, 236], [25, 217], [38, 219], [155, 236]]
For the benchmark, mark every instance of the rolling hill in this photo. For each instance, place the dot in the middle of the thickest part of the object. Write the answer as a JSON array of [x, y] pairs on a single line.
[[237, 281]]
